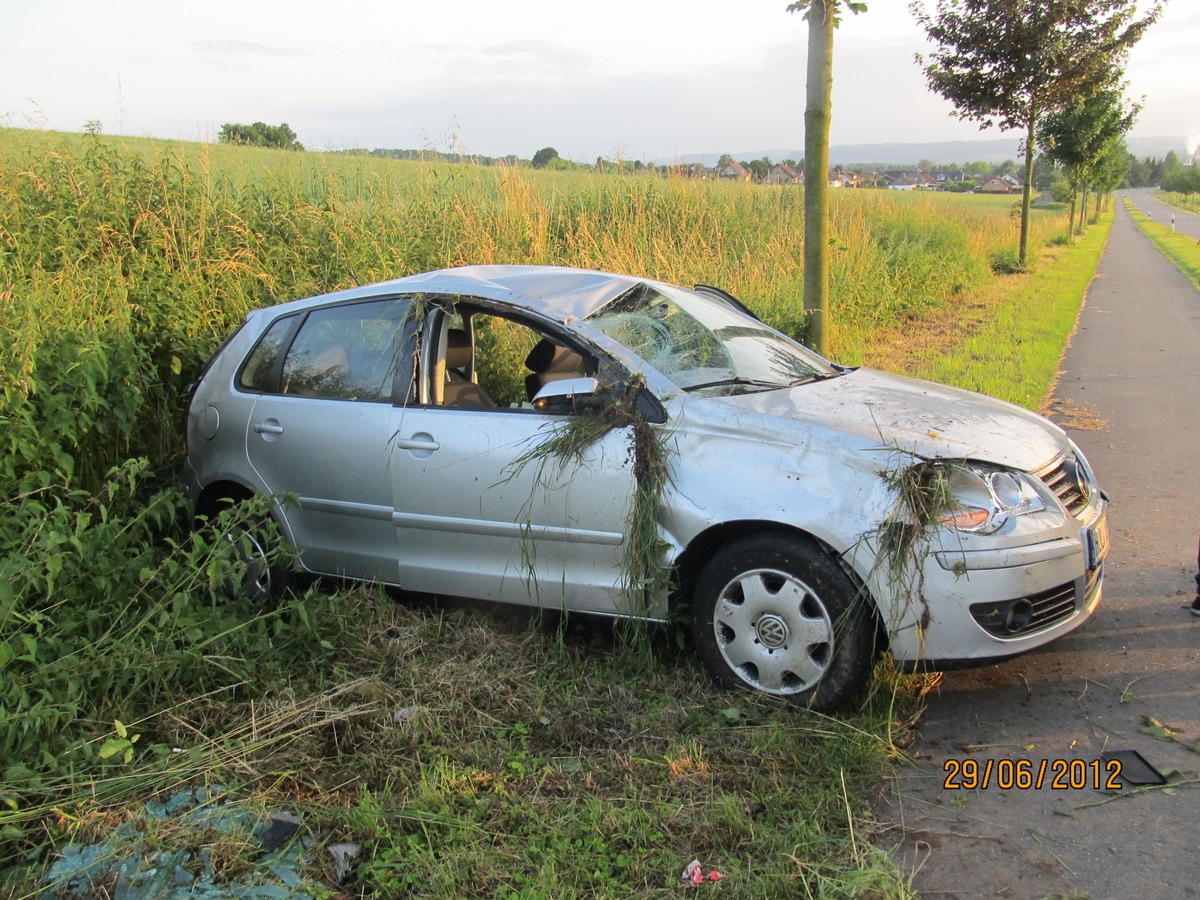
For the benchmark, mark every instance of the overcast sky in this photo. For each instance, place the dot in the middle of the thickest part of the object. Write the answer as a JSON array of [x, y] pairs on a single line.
[[639, 79]]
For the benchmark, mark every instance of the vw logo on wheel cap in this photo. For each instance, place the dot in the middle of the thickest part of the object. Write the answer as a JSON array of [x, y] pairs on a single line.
[[772, 631]]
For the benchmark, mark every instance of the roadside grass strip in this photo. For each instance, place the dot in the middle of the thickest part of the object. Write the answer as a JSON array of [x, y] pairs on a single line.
[[1182, 250]]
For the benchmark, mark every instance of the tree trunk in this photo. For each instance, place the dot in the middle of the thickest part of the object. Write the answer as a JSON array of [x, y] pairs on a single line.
[[1027, 188], [1071, 220], [816, 173]]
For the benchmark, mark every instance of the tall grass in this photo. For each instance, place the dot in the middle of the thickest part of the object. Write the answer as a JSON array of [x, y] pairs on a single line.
[[123, 264]]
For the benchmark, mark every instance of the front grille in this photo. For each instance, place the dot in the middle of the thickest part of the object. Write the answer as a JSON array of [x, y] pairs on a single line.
[[1046, 608], [1065, 479]]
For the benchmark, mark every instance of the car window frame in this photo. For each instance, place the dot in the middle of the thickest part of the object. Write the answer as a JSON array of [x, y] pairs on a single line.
[[609, 369], [408, 328]]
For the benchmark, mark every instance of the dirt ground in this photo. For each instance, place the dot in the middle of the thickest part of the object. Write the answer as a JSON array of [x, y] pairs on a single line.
[[1129, 679]]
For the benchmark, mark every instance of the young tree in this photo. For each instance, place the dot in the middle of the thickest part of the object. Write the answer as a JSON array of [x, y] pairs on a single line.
[[1182, 180], [822, 19], [1110, 170], [1010, 62], [1078, 137]]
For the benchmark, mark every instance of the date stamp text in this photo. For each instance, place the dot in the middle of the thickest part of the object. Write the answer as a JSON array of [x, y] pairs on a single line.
[[1028, 774]]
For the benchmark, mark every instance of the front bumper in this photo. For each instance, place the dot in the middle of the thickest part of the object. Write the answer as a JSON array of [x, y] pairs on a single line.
[[977, 606]]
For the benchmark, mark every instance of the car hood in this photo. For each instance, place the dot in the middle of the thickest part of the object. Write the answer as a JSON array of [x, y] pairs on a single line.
[[920, 417]]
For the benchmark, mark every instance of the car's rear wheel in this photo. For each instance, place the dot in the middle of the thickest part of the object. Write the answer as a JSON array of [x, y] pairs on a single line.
[[256, 570], [776, 614]]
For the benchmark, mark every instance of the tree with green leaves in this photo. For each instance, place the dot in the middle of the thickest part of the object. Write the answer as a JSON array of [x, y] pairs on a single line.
[[542, 158], [1011, 62], [1182, 180], [1110, 170], [1078, 137], [259, 134], [759, 168], [1170, 164], [822, 17]]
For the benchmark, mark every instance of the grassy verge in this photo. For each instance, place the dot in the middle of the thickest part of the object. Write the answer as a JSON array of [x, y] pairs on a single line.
[[1190, 202], [1005, 339], [473, 753], [1179, 248]]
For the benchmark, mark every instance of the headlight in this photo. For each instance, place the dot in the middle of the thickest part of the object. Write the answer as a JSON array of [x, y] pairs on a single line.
[[986, 498]]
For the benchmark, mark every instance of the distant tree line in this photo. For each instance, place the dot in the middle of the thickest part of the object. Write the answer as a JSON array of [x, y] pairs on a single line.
[[1151, 172], [260, 134], [434, 155]]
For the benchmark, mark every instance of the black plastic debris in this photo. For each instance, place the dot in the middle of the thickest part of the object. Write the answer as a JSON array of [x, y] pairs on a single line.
[[1135, 770]]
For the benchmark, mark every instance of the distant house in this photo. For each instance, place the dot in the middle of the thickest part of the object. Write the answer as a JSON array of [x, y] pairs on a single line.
[[840, 177], [1000, 184], [916, 180], [733, 171], [781, 173]]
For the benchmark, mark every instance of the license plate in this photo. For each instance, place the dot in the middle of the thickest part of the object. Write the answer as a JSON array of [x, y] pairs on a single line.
[[1096, 541]]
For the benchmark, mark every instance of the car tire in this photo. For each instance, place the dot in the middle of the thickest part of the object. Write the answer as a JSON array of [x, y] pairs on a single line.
[[777, 614], [258, 575]]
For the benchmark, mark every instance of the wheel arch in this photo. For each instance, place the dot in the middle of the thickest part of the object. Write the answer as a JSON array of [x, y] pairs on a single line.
[[220, 494], [704, 545]]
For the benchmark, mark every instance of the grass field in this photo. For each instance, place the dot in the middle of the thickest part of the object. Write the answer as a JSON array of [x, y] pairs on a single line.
[[466, 751]]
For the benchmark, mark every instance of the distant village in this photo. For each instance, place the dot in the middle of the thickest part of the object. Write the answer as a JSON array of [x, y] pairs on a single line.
[[893, 179], [977, 177]]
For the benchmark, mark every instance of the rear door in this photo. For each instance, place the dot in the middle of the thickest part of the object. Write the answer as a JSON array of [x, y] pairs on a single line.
[[322, 433]]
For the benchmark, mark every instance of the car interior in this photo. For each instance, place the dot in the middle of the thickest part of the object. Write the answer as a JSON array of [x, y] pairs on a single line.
[[482, 363]]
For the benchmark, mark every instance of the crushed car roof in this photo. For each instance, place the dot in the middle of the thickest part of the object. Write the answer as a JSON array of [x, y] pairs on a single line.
[[558, 292]]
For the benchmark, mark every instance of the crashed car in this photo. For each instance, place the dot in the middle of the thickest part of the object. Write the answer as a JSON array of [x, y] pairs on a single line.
[[483, 432]]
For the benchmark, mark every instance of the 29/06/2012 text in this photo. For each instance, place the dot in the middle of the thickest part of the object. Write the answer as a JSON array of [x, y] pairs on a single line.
[[1027, 774]]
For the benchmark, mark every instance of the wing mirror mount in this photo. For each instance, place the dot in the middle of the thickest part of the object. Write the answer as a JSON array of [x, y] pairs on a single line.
[[569, 396]]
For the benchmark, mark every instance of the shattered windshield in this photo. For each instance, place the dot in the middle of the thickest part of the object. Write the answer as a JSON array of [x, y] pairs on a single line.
[[704, 345]]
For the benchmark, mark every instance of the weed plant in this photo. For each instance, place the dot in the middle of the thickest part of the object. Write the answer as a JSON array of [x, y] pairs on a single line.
[[533, 762]]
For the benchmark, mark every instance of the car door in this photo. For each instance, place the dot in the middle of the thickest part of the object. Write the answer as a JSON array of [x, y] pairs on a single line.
[[479, 514], [322, 433]]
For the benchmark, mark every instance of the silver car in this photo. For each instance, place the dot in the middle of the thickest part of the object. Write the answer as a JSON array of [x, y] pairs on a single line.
[[613, 445]]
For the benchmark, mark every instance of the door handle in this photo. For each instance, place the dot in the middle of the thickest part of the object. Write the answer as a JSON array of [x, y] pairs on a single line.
[[418, 442], [421, 445], [268, 427]]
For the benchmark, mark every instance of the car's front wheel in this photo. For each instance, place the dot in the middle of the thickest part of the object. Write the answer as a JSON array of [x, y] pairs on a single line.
[[774, 613]]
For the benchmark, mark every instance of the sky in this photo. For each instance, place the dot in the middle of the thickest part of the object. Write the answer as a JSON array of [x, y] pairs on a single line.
[[629, 79]]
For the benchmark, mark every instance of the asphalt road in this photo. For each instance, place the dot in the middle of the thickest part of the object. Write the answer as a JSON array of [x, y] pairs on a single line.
[[1129, 395]]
